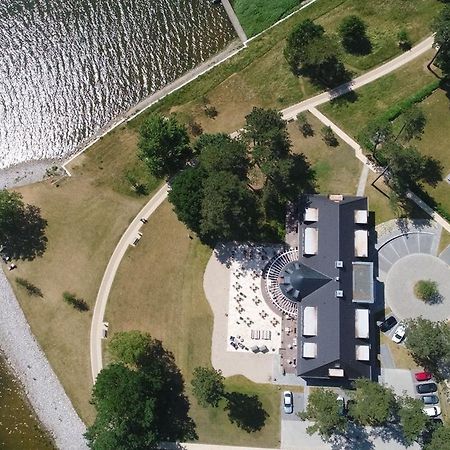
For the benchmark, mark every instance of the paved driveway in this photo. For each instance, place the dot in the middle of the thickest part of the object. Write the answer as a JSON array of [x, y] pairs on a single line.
[[401, 380], [400, 281]]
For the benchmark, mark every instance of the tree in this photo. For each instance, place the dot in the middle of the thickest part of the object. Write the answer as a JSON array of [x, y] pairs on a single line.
[[22, 229], [414, 122], [441, 28], [77, 303], [429, 344], [266, 128], [139, 403], [229, 208], [329, 137], [304, 126], [412, 418], [374, 403], [439, 439], [324, 410], [207, 386], [426, 290], [353, 34], [375, 134], [299, 40], [163, 145], [229, 155], [186, 196], [404, 41]]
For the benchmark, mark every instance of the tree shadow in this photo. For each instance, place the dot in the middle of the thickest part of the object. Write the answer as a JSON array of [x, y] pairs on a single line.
[[355, 436], [359, 47], [389, 432], [173, 421], [341, 99], [28, 240], [435, 299], [246, 411]]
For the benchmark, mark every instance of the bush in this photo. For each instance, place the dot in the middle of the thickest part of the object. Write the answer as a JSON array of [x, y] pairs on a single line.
[[77, 303], [328, 137], [404, 41], [32, 290], [426, 290], [211, 112], [304, 126]]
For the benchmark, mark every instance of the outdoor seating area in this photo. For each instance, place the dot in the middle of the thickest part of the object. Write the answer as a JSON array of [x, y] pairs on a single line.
[[252, 324], [288, 348]]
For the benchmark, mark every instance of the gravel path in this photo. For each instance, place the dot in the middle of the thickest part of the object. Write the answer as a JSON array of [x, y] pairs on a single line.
[[30, 365]]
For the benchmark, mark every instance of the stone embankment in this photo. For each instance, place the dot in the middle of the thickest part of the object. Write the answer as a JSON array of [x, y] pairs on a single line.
[[30, 365]]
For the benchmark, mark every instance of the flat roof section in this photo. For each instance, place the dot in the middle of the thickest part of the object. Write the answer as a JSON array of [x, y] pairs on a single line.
[[310, 321], [310, 241], [311, 215], [361, 243], [363, 291], [362, 323]]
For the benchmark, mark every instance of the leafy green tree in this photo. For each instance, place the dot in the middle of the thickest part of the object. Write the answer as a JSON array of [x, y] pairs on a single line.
[[186, 196], [440, 439], [429, 344], [426, 290], [230, 155], [207, 386], [329, 137], [441, 28], [304, 126], [163, 145], [353, 34], [22, 229], [299, 40], [229, 208], [414, 122], [140, 402], [412, 418], [78, 303], [324, 410], [266, 128], [404, 41], [375, 134], [374, 403]]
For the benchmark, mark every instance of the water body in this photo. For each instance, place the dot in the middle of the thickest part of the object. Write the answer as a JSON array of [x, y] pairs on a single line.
[[68, 67], [19, 428]]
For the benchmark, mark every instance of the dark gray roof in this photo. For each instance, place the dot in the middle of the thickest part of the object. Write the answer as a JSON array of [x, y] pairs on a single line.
[[298, 280], [336, 342]]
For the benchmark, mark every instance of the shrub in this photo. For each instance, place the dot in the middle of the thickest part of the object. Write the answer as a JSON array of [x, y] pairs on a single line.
[[328, 137], [211, 112], [304, 126], [426, 290], [31, 289], [77, 303]]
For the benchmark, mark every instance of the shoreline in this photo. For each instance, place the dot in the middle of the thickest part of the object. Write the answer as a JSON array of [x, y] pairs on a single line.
[[29, 364]]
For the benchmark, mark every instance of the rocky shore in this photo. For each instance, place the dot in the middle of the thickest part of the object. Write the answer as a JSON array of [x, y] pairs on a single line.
[[29, 364]]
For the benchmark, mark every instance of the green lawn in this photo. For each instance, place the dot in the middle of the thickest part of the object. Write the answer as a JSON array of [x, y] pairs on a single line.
[[336, 168], [257, 15], [159, 289]]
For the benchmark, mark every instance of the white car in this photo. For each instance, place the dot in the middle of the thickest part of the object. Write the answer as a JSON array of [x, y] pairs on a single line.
[[288, 402], [432, 411], [399, 334]]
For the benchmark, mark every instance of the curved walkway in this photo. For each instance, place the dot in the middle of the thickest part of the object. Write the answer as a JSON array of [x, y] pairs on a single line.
[[402, 277], [288, 113], [108, 278]]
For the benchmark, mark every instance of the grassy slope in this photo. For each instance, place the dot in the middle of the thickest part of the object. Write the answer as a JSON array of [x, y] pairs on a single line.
[[257, 15], [86, 216], [159, 289]]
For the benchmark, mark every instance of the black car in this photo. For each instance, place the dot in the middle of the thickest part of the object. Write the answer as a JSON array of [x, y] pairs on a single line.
[[426, 388], [430, 399], [388, 324]]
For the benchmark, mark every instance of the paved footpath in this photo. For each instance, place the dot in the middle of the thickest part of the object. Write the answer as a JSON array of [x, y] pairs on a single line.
[[235, 21]]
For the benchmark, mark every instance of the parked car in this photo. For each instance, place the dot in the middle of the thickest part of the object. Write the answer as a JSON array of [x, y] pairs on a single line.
[[426, 388], [399, 334], [432, 411], [387, 324], [423, 376], [288, 402], [430, 399], [341, 403]]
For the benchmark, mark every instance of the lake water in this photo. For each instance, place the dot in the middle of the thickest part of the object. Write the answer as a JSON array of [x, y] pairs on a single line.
[[68, 67], [19, 428]]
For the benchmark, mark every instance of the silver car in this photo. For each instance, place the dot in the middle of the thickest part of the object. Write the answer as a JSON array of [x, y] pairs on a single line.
[[288, 402]]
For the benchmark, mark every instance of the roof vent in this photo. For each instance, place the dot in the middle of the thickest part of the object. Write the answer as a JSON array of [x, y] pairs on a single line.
[[339, 293], [339, 264]]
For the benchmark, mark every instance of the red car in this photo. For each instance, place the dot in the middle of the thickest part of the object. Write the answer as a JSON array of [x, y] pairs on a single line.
[[423, 376]]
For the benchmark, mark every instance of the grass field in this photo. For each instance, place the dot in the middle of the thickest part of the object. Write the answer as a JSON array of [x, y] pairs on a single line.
[[257, 15], [159, 289], [336, 168], [86, 216]]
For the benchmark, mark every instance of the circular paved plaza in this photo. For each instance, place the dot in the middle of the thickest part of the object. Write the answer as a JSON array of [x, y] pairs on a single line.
[[400, 282]]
